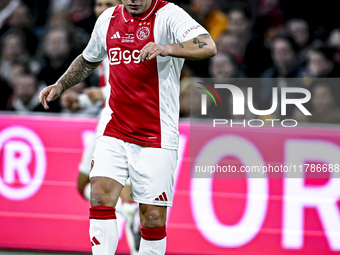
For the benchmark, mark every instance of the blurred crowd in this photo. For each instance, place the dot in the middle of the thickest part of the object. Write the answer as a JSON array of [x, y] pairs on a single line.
[[280, 43]]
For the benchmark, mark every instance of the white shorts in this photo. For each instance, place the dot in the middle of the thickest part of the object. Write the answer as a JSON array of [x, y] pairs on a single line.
[[85, 163], [151, 170]]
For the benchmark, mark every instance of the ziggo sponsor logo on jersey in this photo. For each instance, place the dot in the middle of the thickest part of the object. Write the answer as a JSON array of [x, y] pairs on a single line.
[[117, 56]]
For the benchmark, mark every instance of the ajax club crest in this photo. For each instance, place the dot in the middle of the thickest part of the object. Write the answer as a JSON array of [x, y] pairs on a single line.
[[143, 33]]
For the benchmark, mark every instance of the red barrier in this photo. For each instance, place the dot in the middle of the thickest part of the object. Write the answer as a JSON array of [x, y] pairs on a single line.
[[40, 208]]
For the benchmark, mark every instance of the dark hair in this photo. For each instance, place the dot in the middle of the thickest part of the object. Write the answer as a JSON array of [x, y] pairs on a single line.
[[241, 7], [31, 75], [287, 38], [15, 32], [231, 58], [26, 69], [67, 32]]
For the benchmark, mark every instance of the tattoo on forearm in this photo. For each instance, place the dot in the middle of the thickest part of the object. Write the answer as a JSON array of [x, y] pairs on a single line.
[[200, 44], [181, 45], [205, 36], [78, 71]]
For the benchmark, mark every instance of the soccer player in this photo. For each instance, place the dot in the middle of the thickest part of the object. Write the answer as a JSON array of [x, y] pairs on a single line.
[[92, 98], [146, 42]]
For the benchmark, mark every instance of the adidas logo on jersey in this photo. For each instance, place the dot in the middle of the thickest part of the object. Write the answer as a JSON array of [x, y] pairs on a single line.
[[162, 197], [116, 35]]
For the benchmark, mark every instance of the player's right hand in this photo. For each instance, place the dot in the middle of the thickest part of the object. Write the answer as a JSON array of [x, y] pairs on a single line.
[[49, 94]]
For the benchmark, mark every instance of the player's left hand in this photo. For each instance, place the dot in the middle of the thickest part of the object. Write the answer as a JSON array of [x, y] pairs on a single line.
[[152, 50]]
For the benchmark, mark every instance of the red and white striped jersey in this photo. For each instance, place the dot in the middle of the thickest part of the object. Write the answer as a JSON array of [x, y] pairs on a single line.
[[143, 106]]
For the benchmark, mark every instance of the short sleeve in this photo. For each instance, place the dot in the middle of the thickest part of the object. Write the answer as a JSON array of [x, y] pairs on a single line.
[[183, 26], [95, 50]]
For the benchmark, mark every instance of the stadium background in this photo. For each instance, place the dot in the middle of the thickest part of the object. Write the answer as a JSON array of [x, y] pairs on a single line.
[[255, 38]]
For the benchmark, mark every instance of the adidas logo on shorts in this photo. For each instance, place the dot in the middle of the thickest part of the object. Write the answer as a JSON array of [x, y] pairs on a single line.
[[162, 197]]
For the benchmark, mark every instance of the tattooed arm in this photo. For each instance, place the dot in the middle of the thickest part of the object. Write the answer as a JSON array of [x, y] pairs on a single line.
[[200, 47], [78, 71]]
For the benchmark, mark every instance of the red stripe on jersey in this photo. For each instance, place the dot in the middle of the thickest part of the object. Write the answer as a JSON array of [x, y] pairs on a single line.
[[165, 197], [161, 198], [134, 97]]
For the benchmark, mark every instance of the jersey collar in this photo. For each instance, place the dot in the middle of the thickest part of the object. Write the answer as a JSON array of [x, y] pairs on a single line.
[[144, 16]]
